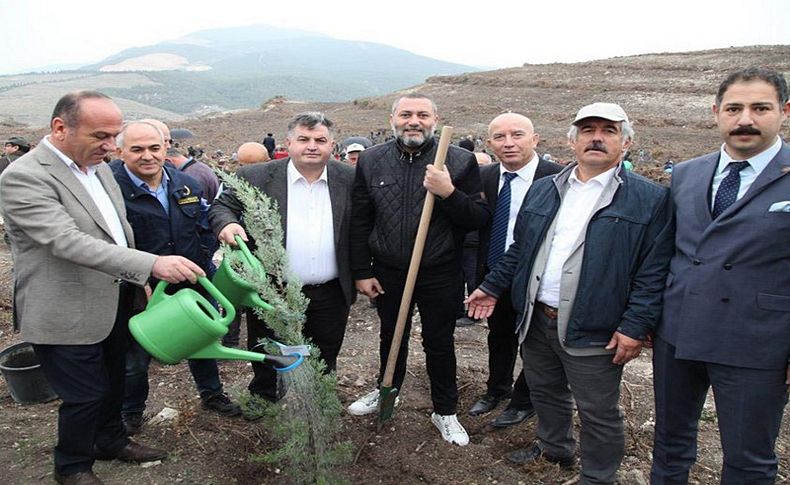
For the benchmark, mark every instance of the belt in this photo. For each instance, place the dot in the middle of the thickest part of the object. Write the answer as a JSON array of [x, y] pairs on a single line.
[[549, 311], [319, 285]]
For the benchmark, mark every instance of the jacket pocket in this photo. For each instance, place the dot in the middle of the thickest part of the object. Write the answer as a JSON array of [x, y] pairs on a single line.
[[670, 279], [776, 303]]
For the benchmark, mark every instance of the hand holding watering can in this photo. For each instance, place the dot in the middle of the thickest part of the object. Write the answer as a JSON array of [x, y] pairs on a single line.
[[186, 325]]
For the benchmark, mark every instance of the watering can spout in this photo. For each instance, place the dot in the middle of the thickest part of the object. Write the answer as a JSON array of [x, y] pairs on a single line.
[[284, 363]]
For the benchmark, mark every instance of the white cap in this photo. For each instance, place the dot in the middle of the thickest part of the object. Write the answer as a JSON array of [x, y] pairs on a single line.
[[607, 111], [355, 147]]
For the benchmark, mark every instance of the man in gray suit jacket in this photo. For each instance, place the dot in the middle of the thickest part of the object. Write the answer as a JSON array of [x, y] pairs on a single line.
[[726, 319], [72, 261], [313, 195]]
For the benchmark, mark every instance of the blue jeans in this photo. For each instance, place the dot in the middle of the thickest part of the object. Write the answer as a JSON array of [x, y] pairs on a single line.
[[204, 371]]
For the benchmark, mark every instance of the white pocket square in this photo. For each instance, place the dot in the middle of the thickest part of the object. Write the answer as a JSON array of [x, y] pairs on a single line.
[[781, 206]]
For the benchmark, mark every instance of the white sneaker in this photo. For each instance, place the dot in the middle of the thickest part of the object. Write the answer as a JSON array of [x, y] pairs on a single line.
[[451, 429], [368, 404]]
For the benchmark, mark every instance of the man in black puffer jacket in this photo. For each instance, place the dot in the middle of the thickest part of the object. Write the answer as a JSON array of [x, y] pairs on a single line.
[[391, 182]]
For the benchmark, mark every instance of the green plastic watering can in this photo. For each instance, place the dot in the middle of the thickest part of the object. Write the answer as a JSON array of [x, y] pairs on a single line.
[[240, 292], [185, 325]]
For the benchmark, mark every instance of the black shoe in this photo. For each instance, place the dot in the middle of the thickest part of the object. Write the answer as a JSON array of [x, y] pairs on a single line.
[[221, 404], [133, 423], [533, 452], [484, 405], [512, 416], [80, 478], [133, 452]]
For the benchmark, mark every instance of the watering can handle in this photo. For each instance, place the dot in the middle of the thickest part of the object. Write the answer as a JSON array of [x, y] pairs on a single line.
[[244, 249], [158, 294], [230, 311]]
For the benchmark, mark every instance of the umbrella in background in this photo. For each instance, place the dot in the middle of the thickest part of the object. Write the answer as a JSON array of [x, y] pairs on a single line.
[[180, 133]]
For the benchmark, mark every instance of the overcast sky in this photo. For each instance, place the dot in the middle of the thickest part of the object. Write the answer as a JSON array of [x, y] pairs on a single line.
[[490, 33]]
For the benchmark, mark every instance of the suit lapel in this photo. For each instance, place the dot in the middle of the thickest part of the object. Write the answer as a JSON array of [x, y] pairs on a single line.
[[703, 181], [276, 186], [63, 174], [337, 197], [113, 191], [491, 184]]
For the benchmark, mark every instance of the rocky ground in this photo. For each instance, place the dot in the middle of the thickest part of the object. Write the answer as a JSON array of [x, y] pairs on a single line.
[[208, 449]]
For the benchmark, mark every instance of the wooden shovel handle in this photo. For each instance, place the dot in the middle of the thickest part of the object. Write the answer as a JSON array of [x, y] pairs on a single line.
[[414, 264]]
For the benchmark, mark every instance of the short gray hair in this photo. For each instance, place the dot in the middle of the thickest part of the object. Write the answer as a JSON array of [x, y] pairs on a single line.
[[310, 120], [626, 129], [120, 137], [414, 96]]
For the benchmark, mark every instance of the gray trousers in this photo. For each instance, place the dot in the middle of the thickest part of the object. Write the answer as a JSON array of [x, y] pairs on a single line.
[[555, 380]]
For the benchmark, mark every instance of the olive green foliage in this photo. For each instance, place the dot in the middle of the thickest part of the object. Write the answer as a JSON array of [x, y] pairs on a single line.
[[306, 422]]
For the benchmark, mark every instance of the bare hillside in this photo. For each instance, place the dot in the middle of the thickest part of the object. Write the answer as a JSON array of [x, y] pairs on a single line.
[[668, 96]]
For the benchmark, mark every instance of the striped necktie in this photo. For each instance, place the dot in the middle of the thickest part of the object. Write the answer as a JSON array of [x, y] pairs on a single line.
[[496, 246], [728, 189]]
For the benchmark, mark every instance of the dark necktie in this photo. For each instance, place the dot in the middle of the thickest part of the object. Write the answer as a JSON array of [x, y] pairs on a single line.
[[728, 189], [496, 247]]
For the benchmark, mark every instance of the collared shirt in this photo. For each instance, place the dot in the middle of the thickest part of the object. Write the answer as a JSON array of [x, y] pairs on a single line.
[[310, 234], [97, 192], [748, 175], [518, 190], [577, 206], [160, 193]]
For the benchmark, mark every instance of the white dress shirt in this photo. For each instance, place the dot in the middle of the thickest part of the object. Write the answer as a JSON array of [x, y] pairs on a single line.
[[573, 216], [310, 234], [97, 192], [748, 175], [518, 190]]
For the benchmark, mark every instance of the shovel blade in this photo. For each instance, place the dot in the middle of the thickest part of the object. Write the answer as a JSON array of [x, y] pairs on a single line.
[[387, 396]]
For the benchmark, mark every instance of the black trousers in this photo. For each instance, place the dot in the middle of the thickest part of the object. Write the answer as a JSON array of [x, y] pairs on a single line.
[[502, 355], [325, 325], [90, 381], [436, 294]]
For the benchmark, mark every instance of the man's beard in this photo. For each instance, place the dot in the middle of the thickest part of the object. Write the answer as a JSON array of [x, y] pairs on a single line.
[[412, 141]]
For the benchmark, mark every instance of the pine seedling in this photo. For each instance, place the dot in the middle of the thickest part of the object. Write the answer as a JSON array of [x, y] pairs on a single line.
[[306, 422]]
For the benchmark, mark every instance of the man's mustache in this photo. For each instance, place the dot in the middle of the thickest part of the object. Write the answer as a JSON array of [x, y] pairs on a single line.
[[745, 130], [597, 146]]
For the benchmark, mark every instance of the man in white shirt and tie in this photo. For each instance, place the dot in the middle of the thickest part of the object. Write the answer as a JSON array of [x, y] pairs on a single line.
[[512, 138], [313, 196]]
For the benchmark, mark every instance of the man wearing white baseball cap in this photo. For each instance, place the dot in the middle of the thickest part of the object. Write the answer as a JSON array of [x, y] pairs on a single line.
[[585, 273], [352, 153]]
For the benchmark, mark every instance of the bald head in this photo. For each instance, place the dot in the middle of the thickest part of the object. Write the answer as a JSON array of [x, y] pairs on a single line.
[[252, 152], [513, 139]]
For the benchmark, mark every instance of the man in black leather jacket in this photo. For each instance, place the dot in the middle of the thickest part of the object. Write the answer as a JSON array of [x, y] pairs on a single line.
[[391, 182]]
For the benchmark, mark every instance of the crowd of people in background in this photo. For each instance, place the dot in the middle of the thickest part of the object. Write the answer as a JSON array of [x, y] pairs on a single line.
[[575, 267]]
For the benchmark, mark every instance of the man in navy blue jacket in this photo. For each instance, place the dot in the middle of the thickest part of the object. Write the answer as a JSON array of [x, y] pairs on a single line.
[[585, 273], [168, 216]]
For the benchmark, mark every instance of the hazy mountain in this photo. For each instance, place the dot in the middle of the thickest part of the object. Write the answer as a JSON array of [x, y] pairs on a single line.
[[227, 69]]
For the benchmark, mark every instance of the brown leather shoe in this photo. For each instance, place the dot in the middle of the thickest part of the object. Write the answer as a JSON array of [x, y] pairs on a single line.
[[81, 478], [134, 452]]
